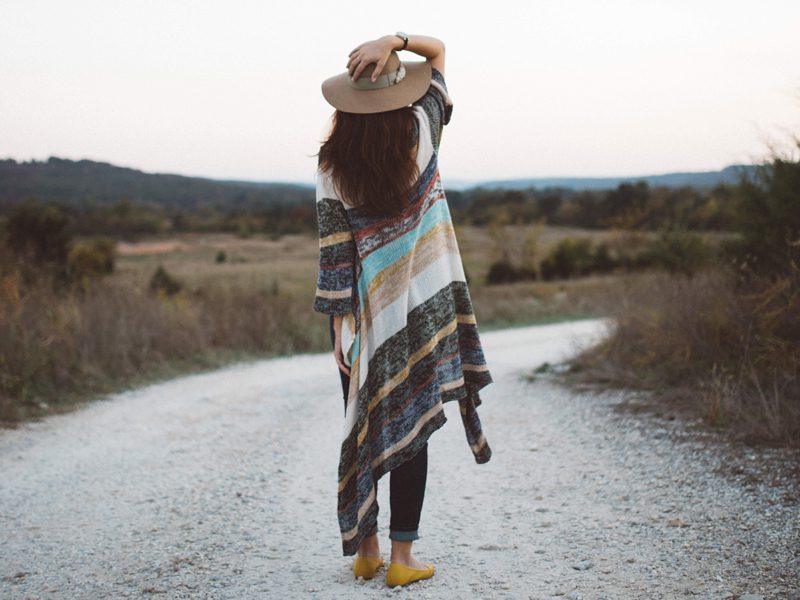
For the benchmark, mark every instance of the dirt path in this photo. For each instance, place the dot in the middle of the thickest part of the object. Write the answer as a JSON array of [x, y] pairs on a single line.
[[222, 485]]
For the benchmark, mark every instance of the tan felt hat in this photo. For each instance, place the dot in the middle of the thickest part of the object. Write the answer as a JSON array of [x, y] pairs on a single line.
[[399, 84]]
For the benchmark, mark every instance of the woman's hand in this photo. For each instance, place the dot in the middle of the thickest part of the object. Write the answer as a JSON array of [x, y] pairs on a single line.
[[338, 354], [377, 51], [374, 51]]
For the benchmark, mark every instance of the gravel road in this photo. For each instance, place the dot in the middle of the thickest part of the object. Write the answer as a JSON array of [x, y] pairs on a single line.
[[223, 485]]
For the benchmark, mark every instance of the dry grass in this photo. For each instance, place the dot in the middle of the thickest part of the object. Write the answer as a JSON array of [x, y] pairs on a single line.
[[728, 353], [530, 303], [289, 264], [57, 349], [293, 258]]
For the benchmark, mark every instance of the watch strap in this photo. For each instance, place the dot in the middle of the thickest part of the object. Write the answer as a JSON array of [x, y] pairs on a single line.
[[403, 36]]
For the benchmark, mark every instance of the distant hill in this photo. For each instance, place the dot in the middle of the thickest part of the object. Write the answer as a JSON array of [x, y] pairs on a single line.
[[85, 182], [699, 179], [88, 182]]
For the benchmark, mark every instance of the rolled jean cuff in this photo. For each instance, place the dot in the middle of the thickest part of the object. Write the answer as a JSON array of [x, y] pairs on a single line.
[[403, 536]]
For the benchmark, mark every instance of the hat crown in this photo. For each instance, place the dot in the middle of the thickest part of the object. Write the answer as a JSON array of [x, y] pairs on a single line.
[[393, 72], [392, 64], [397, 85]]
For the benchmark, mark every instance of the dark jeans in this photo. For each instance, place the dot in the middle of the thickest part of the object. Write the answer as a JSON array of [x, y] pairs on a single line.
[[406, 483]]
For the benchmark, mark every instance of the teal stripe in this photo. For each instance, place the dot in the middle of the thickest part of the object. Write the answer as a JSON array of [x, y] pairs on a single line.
[[389, 253], [393, 251]]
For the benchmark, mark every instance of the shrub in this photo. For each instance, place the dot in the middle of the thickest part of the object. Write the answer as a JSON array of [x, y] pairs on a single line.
[[726, 346], [676, 250], [502, 271], [569, 258], [243, 230], [162, 281], [515, 245], [91, 259], [729, 355], [768, 216], [221, 256], [37, 235], [602, 259]]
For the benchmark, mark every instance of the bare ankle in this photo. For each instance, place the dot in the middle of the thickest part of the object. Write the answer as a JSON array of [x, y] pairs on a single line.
[[401, 551], [369, 546]]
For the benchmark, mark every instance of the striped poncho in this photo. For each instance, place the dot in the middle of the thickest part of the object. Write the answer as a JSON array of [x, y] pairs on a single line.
[[409, 332]]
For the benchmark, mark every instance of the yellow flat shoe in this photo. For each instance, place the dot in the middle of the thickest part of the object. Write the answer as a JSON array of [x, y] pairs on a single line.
[[398, 574], [365, 566]]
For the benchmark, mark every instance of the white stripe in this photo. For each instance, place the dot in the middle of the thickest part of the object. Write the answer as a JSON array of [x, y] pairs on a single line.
[[445, 96], [350, 413], [325, 188], [425, 284], [393, 318], [323, 185], [425, 150], [360, 515], [409, 437]]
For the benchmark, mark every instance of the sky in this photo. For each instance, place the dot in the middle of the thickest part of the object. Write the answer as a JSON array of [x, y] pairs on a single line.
[[231, 89]]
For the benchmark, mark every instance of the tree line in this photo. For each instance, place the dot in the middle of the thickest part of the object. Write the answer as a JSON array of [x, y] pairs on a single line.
[[629, 206]]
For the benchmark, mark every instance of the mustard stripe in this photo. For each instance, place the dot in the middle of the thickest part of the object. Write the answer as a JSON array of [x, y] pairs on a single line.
[[343, 482], [333, 294], [396, 380], [432, 412], [364, 507], [476, 447], [451, 384], [335, 238], [412, 360], [468, 367]]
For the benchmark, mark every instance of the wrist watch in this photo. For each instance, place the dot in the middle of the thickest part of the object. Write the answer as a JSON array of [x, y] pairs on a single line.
[[404, 37]]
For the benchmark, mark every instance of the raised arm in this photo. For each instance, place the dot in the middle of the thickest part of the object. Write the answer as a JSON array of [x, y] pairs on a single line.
[[377, 52]]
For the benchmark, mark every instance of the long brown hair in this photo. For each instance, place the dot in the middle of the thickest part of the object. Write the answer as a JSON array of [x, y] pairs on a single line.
[[371, 159]]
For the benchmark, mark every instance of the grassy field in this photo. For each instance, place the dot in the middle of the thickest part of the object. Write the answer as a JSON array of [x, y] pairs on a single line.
[[288, 265], [59, 349]]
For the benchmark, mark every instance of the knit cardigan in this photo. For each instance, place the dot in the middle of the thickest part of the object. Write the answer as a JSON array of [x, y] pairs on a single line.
[[409, 330]]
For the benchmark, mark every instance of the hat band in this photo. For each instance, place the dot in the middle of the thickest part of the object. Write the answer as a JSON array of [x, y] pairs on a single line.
[[383, 81]]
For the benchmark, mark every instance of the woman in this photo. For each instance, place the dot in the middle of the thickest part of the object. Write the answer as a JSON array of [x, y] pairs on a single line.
[[390, 277]]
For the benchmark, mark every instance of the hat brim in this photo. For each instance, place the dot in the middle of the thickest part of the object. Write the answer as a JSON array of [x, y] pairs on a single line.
[[343, 96]]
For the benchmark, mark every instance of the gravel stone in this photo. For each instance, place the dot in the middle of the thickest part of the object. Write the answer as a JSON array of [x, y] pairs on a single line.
[[223, 485]]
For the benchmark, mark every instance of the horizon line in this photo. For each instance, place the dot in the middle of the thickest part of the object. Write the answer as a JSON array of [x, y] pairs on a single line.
[[307, 183]]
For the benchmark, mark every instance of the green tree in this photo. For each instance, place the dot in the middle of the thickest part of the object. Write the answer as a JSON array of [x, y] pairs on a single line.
[[38, 232], [38, 238], [569, 258], [677, 250], [91, 259], [768, 216]]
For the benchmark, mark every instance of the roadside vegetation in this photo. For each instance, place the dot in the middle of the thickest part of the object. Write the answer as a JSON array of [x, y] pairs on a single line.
[[82, 316], [77, 320], [720, 339], [96, 297]]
